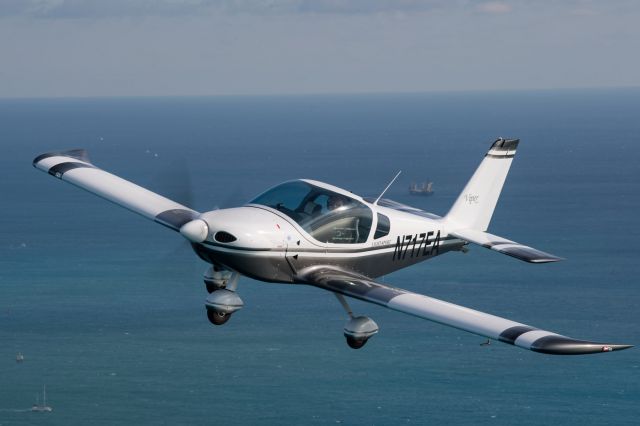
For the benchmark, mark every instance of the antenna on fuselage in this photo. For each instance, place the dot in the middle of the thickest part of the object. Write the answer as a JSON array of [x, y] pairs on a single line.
[[388, 186]]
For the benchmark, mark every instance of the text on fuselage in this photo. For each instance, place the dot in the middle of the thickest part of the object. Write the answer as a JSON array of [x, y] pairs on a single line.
[[417, 245]]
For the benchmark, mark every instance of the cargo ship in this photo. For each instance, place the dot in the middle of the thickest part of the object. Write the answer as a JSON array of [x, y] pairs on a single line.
[[424, 188]]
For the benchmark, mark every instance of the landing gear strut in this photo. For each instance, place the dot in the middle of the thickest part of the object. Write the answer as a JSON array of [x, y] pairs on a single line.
[[216, 278]]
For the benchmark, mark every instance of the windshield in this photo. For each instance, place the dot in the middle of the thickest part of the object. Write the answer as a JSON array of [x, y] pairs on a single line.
[[327, 216]]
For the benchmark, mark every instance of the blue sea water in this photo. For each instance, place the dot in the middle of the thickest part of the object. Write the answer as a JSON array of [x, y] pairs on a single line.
[[107, 307]]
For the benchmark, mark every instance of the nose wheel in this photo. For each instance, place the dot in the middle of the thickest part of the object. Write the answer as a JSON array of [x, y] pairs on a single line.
[[223, 299]]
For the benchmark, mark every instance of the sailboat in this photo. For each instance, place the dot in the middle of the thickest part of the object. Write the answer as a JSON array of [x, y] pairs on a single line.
[[44, 407]]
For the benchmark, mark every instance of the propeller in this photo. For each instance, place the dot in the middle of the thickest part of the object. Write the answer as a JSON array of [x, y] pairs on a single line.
[[173, 179]]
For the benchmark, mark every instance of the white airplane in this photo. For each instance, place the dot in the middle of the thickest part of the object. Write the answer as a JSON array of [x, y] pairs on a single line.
[[309, 232]]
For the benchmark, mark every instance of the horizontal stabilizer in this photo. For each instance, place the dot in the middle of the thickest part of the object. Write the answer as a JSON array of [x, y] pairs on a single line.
[[508, 247], [501, 329]]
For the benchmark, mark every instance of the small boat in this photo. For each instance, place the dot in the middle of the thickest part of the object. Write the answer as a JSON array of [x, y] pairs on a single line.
[[42, 407], [425, 188], [19, 357]]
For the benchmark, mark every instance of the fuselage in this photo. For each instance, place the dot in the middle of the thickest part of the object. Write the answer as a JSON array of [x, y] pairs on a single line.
[[301, 224]]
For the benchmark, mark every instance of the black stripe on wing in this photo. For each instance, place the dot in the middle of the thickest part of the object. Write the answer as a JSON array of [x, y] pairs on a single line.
[[511, 334], [175, 218], [60, 169]]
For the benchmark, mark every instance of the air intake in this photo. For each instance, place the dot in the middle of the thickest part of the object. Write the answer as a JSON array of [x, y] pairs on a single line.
[[224, 237]]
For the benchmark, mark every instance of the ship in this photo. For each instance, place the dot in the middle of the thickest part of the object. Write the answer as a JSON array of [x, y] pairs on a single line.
[[43, 408], [424, 188]]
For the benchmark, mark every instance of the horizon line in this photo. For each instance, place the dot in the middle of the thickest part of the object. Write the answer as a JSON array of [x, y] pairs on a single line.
[[323, 94]]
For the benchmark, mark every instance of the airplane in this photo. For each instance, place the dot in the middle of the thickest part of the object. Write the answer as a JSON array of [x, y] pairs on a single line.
[[311, 233]]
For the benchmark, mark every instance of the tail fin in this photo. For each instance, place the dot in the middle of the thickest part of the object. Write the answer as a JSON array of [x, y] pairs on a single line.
[[474, 207]]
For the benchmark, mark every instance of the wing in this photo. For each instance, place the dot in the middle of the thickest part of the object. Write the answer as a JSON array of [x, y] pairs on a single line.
[[491, 326], [74, 167], [504, 246]]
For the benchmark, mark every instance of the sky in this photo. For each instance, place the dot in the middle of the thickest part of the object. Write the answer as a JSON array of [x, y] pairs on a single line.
[[83, 48]]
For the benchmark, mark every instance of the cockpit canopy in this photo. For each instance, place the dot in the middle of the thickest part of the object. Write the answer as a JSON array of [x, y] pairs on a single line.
[[327, 216]]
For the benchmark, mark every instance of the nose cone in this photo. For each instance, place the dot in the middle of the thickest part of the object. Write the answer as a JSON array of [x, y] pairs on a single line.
[[195, 231], [247, 227]]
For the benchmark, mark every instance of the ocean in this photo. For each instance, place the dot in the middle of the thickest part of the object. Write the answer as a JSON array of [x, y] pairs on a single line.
[[108, 307]]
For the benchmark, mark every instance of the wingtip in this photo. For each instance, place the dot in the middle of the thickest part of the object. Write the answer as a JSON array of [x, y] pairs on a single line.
[[620, 347], [78, 153], [549, 259], [561, 345]]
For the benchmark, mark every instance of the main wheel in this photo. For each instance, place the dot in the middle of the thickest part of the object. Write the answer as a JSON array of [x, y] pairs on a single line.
[[217, 318], [355, 343]]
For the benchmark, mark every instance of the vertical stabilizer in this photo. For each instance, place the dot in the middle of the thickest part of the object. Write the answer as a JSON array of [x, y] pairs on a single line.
[[474, 207]]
